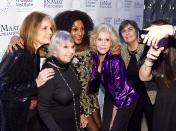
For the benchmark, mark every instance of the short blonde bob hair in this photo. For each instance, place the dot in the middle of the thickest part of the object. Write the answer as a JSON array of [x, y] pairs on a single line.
[[104, 28]]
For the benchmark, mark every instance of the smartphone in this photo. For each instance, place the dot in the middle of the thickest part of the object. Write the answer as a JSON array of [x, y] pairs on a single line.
[[163, 42]]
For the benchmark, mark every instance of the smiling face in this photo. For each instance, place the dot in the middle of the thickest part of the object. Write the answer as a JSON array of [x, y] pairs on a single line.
[[78, 31], [129, 34], [65, 51], [43, 33], [103, 42]]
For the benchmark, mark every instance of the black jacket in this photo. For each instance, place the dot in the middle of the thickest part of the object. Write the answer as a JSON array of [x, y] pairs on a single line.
[[18, 71]]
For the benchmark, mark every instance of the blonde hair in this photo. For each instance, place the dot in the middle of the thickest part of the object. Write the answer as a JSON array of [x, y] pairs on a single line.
[[29, 27], [103, 28]]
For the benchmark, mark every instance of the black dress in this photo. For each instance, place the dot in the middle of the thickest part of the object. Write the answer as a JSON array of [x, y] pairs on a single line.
[[57, 107], [164, 116]]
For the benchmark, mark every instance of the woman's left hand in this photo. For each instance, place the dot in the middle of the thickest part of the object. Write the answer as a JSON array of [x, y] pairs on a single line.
[[114, 113], [44, 75], [83, 121]]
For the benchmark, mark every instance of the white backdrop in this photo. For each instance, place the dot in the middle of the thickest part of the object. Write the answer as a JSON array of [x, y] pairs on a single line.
[[12, 13]]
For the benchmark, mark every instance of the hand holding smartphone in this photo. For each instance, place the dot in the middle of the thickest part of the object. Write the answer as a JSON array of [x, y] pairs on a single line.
[[162, 43]]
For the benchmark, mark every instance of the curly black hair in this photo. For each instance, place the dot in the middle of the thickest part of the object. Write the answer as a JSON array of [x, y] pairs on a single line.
[[64, 21]]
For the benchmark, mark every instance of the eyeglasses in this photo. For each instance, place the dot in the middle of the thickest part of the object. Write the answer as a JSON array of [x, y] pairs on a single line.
[[103, 40]]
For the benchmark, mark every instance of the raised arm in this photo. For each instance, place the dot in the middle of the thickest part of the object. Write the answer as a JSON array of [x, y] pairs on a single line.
[[145, 71]]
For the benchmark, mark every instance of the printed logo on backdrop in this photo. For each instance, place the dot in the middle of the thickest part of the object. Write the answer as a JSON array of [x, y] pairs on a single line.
[[138, 5], [53, 3], [91, 3], [105, 4], [128, 4], [24, 5], [117, 21], [108, 20], [6, 30], [5, 5], [139, 20]]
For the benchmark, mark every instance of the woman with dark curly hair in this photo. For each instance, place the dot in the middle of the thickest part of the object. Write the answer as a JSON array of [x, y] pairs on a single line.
[[79, 24]]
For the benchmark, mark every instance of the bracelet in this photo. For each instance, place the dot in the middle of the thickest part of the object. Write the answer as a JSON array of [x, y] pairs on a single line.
[[149, 60], [147, 66]]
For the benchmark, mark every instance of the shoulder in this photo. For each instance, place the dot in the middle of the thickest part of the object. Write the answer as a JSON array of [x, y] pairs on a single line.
[[81, 57], [48, 63], [124, 50], [140, 49], [116, 58], [124, 47], [84, 54], [116, 61]]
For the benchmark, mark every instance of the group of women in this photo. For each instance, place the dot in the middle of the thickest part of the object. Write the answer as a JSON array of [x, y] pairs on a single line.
[[65, 89]]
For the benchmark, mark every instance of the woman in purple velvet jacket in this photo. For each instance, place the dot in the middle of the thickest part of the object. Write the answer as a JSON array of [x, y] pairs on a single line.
[[109, 70]]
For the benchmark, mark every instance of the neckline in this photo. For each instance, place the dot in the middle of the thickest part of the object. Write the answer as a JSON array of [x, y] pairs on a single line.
[[132, 52], [61, 65]]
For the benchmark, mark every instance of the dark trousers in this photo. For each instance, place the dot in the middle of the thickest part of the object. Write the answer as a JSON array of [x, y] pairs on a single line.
[[145, 106], [34, 122], [15, 115], [18, 117], [1, 117], [122, 117]]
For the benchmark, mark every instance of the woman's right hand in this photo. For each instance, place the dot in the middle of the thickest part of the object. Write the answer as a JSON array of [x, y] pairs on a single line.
[[154, 53], [44, 75], [14, 41], [83, 121]]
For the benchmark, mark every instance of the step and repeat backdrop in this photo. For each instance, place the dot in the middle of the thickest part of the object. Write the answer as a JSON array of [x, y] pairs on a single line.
[[12, 13]]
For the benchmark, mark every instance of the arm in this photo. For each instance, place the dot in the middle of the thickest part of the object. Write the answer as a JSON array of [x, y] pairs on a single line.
[[45, 96], [7, 65], [145, 71], [114, 112], [156, 33]]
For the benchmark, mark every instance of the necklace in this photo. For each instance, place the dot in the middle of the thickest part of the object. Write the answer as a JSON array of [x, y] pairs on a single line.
[[73, 94], [132, 52]]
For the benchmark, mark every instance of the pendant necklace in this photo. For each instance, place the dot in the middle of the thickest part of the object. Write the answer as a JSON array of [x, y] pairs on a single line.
[[73, 94]]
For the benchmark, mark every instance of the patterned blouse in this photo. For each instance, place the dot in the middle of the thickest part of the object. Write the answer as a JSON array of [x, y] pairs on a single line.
[[81, 61]]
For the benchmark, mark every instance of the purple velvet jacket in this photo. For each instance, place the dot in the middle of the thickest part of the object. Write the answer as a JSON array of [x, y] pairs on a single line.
[[113, 77]]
